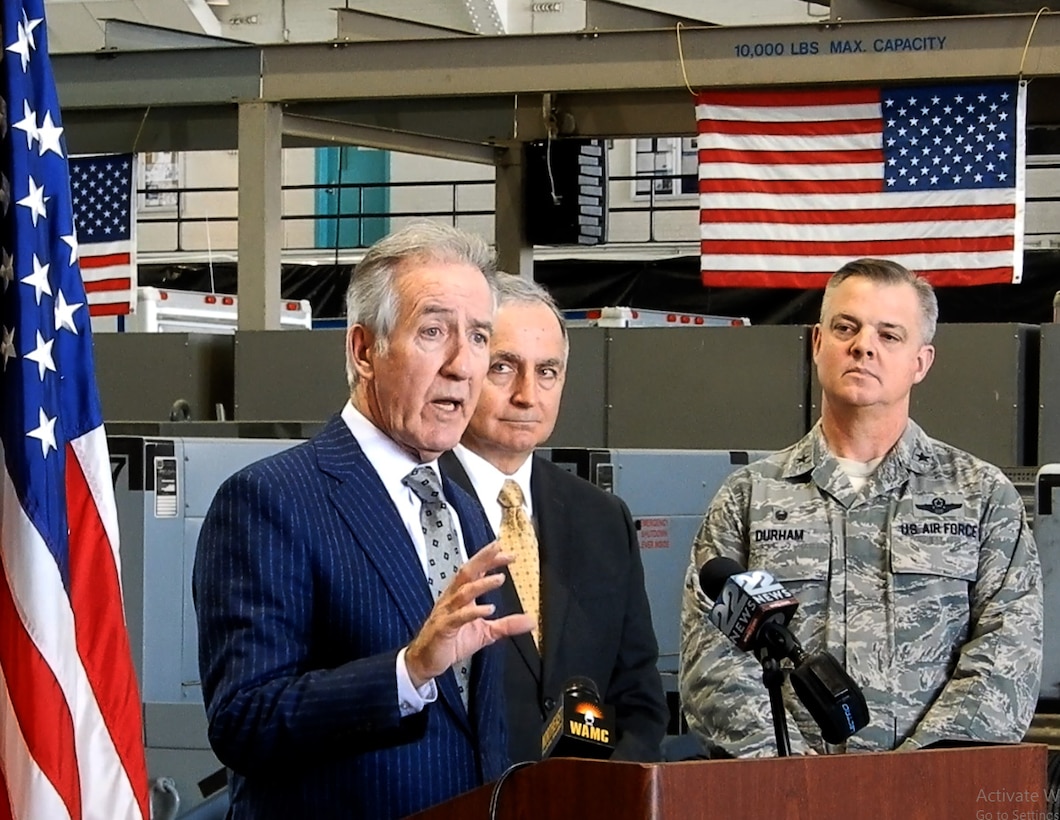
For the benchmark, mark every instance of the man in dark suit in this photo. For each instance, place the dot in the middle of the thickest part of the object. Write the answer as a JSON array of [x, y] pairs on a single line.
[[594, 615], [341, 665]]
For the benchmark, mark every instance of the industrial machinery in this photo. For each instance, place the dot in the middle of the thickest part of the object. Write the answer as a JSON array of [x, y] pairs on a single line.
[[667, 492], [1047, 536], [163, 488]]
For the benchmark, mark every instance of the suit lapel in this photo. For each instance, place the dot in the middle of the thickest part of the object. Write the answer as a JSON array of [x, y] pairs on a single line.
[[362, 501], [453, 469]]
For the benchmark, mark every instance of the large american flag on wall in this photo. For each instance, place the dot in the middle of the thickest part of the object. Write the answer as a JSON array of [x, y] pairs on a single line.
[[71, 743], [104, 196], [793, 184]]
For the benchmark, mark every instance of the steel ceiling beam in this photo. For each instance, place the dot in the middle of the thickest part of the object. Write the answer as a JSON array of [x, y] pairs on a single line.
[[331, 132], [622, 83]]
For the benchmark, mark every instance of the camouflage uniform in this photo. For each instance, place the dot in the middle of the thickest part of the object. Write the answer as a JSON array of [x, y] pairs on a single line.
[[925, 585]]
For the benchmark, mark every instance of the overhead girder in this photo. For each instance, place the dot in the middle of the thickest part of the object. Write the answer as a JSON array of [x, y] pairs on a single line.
[[490, 89]]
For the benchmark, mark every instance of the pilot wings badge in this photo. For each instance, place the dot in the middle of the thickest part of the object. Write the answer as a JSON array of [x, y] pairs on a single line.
[[939, 506]]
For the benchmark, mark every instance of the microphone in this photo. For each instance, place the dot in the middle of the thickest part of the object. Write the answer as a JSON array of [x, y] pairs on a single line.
[[580, 726], [744, 601], [753, 610], [831, 696]]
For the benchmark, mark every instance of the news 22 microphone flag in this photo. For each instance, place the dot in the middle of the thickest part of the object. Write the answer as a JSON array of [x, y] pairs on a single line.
[[793, 184], [71, 742]]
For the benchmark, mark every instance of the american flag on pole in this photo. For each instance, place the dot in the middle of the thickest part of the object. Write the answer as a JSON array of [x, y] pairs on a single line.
[[105, 215], [71, 742], [793, 184]]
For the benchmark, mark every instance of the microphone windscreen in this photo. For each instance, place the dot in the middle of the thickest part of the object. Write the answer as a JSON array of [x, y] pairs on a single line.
[[582, 688], [714, 574]]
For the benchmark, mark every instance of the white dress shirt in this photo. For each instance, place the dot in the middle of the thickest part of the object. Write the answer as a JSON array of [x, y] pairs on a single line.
[[392, 464], [488, 480]]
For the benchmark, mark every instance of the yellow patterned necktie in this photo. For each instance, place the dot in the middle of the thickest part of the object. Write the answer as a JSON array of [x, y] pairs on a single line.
[[518, 537]]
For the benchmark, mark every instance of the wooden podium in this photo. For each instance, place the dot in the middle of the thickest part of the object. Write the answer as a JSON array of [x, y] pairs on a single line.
[[980, 783]]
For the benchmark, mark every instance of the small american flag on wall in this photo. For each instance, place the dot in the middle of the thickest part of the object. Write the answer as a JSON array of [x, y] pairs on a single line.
[[793, 184], [104, 198]]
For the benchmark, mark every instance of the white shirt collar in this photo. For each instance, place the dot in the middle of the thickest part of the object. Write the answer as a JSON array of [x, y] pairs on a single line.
[[488, 480], [390, 461]]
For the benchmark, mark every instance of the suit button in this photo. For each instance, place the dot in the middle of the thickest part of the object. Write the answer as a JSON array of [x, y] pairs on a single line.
[[550, 704]]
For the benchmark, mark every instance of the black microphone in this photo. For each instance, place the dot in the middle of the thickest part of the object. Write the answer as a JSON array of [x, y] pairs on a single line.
[[744, 600], [831, 696], [580, 726], [753, 610]]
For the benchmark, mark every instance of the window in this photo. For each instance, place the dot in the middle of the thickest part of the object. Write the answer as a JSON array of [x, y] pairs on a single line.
[[668, 165], [162, 174]]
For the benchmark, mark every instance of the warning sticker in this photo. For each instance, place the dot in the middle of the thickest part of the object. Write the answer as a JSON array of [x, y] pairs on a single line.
[[653, 533], [165, 487]]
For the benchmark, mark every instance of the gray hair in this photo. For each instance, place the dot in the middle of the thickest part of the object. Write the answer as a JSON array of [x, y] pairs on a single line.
[[887, 272], [513, 289], [371, 298]]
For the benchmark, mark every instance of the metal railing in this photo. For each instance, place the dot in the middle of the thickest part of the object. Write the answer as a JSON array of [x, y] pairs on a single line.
[[204, 218]]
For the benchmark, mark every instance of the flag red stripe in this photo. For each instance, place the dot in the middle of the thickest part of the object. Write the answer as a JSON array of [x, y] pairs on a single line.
[[802, 281], [952, 213], [5, 799], [109, 309], [122, 284], [39, 703], [99, 624], [857, 248], [788, 186], [763, 279], [961, 277], [109, 260], [786, 98], [869, 155], [815, 128]]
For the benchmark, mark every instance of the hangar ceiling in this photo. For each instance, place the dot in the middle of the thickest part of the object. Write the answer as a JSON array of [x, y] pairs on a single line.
[[81, 25], [440, 89]]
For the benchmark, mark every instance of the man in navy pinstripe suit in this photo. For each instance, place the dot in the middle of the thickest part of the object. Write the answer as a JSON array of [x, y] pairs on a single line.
[[326, 662]]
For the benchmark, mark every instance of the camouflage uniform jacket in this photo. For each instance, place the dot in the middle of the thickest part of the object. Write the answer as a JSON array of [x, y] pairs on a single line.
[[925, 585]]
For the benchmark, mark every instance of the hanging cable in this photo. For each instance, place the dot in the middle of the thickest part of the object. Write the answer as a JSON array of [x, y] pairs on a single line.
[[140, 130], [1030, 34], [681, 57]]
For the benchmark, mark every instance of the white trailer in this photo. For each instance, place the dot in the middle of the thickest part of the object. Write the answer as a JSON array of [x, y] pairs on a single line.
[[637, 317], [161, 310]]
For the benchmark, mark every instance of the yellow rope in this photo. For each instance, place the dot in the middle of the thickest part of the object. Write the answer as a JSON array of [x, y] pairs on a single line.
[[1030, 34], [681, 56]]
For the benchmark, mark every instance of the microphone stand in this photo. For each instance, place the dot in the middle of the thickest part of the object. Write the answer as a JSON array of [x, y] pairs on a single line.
[[773, 678], [776, 643]]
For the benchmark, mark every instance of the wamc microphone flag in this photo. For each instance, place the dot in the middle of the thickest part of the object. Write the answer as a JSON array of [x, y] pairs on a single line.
[[793, 184], [71, 741]]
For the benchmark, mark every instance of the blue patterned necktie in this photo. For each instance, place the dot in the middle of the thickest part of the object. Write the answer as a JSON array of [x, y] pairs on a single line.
[[443, 547]]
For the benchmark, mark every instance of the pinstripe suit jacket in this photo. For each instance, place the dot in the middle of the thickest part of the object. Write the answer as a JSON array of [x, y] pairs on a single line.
[[306, 586]]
